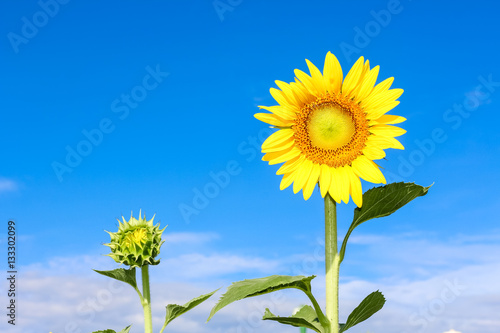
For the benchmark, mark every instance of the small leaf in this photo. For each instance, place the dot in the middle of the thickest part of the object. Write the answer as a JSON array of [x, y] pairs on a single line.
[[383, 201], [120, 274], [305, 317], [369, 306], [255, 287], [125, 330], [174, 310]]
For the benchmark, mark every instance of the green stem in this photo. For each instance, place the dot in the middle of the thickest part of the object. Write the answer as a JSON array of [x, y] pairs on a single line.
[[332, 264], [146, 301], [163, 328]]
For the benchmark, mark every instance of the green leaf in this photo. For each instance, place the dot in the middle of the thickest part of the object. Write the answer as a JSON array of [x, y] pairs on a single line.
[[125, 330], [305, 317], [174, 310], [371, 304], [383, 201], [120, 274], [255, 287]]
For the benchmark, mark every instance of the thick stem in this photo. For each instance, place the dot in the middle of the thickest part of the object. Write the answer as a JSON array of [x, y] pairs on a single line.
[[332, 264], [146, 301]]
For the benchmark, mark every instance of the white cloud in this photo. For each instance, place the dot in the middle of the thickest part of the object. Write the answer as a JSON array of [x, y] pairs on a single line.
[[196, 266], [7, 185], [190, 237], [64, 295]]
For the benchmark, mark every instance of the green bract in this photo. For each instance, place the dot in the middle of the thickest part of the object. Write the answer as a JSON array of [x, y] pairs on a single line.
[[136, 243]]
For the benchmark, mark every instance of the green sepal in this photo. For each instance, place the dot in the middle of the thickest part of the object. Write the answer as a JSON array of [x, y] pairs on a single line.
[[174, 310], [383, 201], [368, 307], [255, 287], [125, 330], [305, 317], [120, 274]]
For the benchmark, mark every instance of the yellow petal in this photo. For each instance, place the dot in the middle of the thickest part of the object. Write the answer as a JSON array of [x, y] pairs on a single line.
[[355, 188], [303, 173], [383, 142], [376, 100], [367, 85], [311, 181], [279, 96], [300, 93], [352, 78], [381, 110], [273, 119], [336, 188], [281, 156], [373, 153], [278, 138], [317, 77], [280, 111], [379, 88], [366, 169], [287, 180], [362, 76], [287, 92], [307, 81], [283, 146], [389, 119], [343, 178], [332, 74], [290, 165], [387, 130], [325, 178]]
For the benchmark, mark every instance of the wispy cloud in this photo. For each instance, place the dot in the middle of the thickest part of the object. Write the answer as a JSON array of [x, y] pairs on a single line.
[[7, 185], [195, 266], [190, 237]]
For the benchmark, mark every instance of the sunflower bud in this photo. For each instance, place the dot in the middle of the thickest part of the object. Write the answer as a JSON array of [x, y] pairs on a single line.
[[136, 243]]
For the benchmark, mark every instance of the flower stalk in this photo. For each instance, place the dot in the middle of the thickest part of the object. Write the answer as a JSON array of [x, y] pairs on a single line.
[[332, 264], [146, 300]]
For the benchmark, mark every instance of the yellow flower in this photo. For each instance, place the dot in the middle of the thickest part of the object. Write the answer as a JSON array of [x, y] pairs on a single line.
[[331, 130]]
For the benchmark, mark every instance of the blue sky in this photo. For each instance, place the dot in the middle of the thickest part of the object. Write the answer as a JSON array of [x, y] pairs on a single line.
[[166, 91]]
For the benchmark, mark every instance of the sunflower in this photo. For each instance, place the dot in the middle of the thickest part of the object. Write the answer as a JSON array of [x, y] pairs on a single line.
[[331, 129]]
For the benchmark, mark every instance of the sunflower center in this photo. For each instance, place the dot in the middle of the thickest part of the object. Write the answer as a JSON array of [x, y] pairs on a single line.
[[332, 130], [136, 237], [330, 127]]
